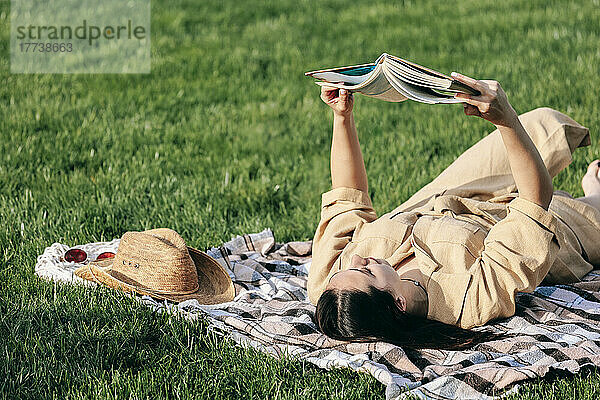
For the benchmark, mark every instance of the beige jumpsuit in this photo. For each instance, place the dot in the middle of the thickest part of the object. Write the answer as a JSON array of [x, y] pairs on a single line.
[[475, 241]]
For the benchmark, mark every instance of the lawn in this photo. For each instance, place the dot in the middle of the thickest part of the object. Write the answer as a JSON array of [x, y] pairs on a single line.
[[226, 136]]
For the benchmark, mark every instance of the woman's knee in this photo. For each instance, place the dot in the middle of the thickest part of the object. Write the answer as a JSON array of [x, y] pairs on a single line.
[[545, 122]]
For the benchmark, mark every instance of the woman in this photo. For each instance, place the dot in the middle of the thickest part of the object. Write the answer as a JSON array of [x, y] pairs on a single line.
[[454, 255]]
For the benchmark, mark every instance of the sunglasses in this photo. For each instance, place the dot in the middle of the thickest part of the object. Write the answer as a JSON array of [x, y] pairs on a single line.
[[80, 256]]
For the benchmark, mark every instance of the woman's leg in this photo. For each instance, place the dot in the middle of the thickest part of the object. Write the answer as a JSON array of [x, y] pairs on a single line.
[[483, 171]]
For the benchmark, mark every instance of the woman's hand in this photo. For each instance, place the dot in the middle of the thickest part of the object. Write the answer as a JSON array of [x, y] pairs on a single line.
[[341, 101], [492, 105]]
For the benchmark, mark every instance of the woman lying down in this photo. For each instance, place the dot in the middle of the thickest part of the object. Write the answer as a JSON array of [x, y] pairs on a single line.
[[454, 255]]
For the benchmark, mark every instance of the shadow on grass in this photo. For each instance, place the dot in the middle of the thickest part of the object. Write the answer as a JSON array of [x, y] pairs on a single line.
[[63, 341]]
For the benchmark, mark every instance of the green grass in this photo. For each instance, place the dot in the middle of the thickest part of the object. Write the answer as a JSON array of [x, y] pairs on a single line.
[[226, 136]]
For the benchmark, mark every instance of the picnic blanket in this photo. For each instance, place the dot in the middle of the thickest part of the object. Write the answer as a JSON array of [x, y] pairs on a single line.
[[555, 327]]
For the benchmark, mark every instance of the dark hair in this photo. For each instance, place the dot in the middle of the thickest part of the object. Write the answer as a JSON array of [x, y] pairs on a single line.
[[374, 316]]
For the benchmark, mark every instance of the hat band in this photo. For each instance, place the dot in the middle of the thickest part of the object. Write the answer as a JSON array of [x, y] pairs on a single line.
[[171, 293], [147, 289]]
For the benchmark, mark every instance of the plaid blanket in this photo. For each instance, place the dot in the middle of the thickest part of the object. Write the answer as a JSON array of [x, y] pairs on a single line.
[[556, 327]]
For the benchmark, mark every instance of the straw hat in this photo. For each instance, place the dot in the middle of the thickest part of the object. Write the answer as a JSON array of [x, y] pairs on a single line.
[[157, 263]]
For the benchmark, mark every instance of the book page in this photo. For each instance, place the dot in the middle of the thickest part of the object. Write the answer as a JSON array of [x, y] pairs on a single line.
[[422, 69], [380, 88], [353, 75], [418, 93], [409, 78], [409, 70]]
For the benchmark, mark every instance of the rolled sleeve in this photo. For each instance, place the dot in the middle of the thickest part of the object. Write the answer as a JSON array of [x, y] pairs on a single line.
[[345, 194], [518, 253], [342, 210], [535, 212]]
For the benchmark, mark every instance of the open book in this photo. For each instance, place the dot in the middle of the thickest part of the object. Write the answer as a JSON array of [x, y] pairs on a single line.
[[394, 79]]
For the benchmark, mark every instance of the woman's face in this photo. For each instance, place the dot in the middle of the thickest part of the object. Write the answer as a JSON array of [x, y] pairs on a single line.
[[366, 272]]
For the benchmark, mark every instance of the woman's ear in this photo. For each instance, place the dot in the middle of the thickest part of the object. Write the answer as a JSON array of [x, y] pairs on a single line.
[[401, 303]]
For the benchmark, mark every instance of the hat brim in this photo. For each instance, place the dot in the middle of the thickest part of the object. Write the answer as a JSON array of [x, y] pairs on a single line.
[[214, 284]]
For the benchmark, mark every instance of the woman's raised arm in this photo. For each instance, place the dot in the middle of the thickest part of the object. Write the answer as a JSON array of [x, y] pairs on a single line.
[[529, 172], [347, 165]]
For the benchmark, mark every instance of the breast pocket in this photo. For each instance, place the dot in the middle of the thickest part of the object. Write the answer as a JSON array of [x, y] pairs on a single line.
[[454, 242], [379, 239]]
